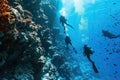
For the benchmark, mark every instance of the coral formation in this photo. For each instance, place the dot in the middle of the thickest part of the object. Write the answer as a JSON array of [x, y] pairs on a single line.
[[29, 44], [26, 41], [5, 15]]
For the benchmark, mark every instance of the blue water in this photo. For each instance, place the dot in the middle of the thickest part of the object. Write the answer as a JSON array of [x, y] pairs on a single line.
[[89, 18]]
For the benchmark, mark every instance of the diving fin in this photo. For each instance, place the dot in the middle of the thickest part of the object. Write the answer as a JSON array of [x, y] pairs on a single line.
[[94, 68], [74, 50]]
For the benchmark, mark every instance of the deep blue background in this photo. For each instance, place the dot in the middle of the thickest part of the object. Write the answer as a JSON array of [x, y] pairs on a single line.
[[88, 25]]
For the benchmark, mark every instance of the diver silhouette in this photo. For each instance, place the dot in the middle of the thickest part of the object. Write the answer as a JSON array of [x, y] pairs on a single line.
[[88, 52], [68, 41], [63, 21], [109, 34]]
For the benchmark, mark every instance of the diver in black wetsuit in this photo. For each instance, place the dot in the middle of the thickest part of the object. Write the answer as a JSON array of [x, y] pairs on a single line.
[[68, 41], [88, 52], [63, 21], [109, 34]]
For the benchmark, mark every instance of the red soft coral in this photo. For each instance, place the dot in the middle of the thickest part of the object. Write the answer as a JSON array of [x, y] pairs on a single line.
[[5, 15]]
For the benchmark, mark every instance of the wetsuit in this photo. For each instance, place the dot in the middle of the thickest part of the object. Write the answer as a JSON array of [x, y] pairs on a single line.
[[87, 52]]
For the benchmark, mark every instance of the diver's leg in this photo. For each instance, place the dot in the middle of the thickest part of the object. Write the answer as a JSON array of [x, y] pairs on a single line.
[[63, 27], [74, 50], [88, 56], [69, 25], [117, 36], [70, 44], [95, 68], [66, 45], [73, 47]]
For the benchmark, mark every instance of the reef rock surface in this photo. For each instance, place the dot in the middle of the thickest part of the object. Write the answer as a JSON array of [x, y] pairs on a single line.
[[28, 49]]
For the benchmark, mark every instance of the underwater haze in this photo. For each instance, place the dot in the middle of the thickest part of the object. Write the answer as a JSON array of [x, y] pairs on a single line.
[[59, 39], [97, 24]]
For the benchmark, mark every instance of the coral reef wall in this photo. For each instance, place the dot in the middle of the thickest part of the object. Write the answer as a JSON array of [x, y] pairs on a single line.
[[28, 48]]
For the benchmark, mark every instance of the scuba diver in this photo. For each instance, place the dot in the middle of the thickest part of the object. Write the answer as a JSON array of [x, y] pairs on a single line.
[[88, 52], [63, 21], [109, 35], [68, 41]]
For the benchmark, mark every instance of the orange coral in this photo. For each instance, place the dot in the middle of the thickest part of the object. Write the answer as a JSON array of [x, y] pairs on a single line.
[[5, 15]]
